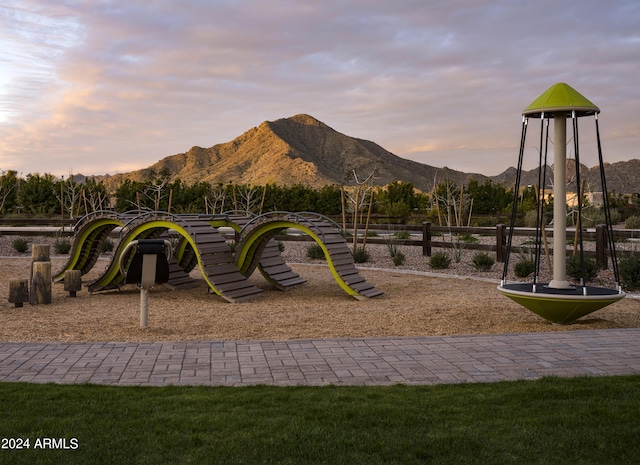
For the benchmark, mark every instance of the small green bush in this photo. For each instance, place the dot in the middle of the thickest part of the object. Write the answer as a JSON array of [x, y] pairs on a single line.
[[106, 246], [482, 261], [468, 238], [281, 246], [315, 252], [574, 271], [62, 245], [403, 235], [20, 245], [633, 222], [440, 261], [629, 269], [398, 259], [361, 255], [524, 267]]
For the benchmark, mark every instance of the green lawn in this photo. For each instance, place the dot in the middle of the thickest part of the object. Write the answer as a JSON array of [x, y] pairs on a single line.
[[549, 421]]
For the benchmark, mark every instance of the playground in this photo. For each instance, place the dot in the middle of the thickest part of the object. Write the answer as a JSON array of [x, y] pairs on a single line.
[[412, 305]]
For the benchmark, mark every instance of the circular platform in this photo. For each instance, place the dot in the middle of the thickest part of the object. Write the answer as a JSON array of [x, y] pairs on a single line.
[[561, 306]]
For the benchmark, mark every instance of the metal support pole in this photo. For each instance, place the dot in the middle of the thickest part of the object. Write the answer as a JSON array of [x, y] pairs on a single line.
[[560, 204], [144, 307]]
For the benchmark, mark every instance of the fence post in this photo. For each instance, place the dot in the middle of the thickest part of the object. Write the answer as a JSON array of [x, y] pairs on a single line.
[[426, 239], [601, 246], [501, 242]]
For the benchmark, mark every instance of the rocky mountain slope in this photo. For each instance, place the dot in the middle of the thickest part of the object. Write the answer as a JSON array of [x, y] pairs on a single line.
[[303, 150], [299, 149]]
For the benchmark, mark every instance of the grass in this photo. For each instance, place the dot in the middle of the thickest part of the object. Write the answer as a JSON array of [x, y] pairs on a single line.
[[548, 421]]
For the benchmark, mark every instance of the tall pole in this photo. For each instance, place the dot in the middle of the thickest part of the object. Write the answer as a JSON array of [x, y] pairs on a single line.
[[560, 204]]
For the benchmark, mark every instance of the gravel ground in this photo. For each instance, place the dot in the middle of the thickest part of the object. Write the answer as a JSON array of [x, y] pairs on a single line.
[[417, 301]]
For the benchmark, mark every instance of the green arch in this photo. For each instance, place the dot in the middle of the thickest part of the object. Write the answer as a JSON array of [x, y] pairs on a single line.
[[253, 239], [114, 274], [85, 243]]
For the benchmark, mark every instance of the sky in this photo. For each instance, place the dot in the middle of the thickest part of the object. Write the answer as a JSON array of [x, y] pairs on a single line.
[[109, 86]]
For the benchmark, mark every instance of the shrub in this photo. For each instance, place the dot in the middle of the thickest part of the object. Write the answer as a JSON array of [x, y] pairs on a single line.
[[633, 222], [629, 269], [62, 245], [524, 267], [315, 252], [106, 246], [361, 255], [398, 259], [439, 261], [574, 271], [281, 246], [403, 235], [468, 238], [20, 245], [530, 218], [591, 219], [482, 261]]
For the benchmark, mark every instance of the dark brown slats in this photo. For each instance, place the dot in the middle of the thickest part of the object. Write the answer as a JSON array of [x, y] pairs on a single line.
[[274, 270], [284, 276], [292, 282]]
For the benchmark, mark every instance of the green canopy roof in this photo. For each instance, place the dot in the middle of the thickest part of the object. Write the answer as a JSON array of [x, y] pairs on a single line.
[[560, 99]]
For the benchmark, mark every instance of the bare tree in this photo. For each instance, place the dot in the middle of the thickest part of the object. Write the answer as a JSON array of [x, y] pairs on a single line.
[[216, 202], [360, 198], [70, 195], [8, 183]]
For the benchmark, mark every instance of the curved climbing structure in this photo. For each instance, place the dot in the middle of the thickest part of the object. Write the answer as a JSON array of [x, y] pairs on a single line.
[[328, 235], [89, 234], [197, 241]]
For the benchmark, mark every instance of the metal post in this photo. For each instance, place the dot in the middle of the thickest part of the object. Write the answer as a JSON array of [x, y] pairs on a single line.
[[560, 204], [144, 307]]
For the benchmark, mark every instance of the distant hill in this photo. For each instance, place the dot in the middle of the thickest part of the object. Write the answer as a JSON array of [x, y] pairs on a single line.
[[303, 150], [622, 177], [294, 150]]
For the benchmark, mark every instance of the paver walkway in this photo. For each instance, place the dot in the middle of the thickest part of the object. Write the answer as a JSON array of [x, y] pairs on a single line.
[[380, 361]]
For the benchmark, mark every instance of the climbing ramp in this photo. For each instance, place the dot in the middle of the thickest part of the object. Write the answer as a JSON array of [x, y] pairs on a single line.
[[89, 234], [203, 243], [197, 242], [256, 233], [269, 261]]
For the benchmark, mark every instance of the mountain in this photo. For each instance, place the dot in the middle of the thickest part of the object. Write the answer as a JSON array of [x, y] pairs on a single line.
[[299, 149], [622, 177], [303, 150]]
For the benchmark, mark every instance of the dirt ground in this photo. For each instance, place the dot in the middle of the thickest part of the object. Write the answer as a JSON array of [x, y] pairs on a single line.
[[412, 305]]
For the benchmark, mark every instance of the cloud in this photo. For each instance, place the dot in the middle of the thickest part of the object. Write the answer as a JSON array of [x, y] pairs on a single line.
[[107, 86]]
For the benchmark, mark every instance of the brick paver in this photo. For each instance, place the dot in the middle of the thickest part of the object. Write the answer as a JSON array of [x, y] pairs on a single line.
[[379, 361]]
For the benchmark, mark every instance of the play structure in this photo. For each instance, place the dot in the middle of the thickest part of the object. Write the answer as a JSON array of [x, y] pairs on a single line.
[[196, 240], [559, 301]]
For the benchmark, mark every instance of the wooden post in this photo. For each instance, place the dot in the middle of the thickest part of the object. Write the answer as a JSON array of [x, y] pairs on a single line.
[[501, 241], [426, 239], [72, 281], [40, 253], [601, 246], [18, 291], [40, 275], [40, 283]]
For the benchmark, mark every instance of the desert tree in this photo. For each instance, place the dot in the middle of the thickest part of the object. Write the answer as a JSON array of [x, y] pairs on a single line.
[[358, 198], [8, 189]]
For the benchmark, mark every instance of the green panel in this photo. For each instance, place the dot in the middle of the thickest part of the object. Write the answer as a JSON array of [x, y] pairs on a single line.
[[561, 98], [557, 309]]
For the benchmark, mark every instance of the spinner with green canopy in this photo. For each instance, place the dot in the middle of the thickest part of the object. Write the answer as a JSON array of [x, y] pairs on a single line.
[[558, 300]]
